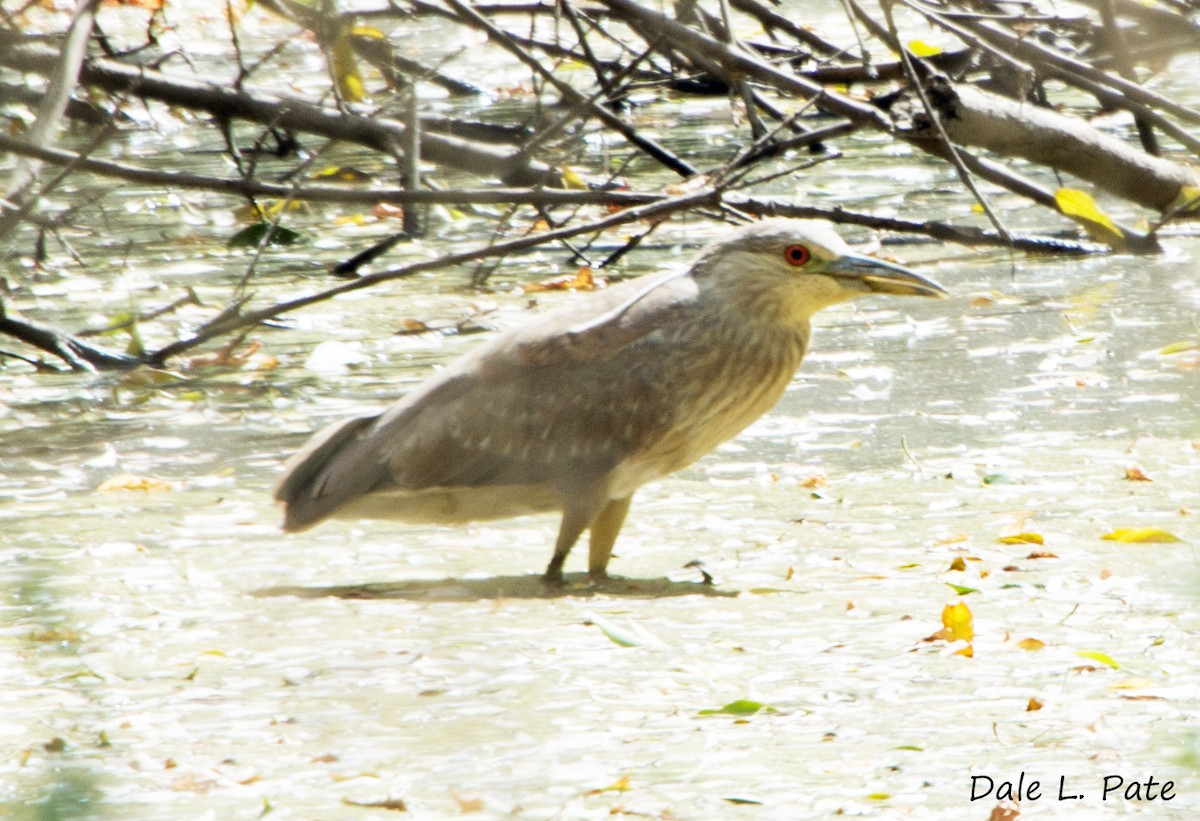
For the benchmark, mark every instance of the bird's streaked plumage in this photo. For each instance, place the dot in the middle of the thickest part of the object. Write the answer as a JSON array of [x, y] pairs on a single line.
[[579, 409]]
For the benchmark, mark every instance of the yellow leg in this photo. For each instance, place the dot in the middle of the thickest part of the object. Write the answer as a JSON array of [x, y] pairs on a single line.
[[575, 520], [605, 528]]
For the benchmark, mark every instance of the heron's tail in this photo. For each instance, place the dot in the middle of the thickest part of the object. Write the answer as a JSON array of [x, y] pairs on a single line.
[[326, 473]]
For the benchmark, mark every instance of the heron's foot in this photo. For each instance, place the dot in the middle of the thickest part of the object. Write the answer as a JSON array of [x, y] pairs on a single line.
[[553, 577]]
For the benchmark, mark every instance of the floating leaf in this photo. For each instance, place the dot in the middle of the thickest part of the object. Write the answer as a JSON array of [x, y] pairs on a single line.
[[741, 707], [1031, 644], [957, 622], [733, 800], [1000, 479], [1094, 655], [1022, 538], [1079, 206], [1034, 705], [144, 376], [344, 64], [620, 785], [369, 32], [127, 481], [1131, 684], [1187, 200], [919, 48], [1183, 346], [958, 563], [342, 173], [252, 235], [396, 804], [581, 280], [962, 590], [572, 180], [633, 637], [385, 210], [1133, 473], [1141, 535]]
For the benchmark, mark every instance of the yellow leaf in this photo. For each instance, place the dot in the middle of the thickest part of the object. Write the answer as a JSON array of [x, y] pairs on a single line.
[[572, 180], [341, 173], [1022, 538], [1187, 200], [368, 31], [1097, 656], [1140, 535], [344, 64], [958, 623], [919, 48], [127, 481], [958, 563], [1180, 347], [620, 785], [1079, 206], [1034, 705], [1031, 644], [1131, 684]]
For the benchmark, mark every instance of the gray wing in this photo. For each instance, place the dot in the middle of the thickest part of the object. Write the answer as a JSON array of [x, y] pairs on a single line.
[[557, 403]]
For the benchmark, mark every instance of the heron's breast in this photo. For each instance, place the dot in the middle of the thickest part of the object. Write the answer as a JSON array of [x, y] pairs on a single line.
[[715, 398]]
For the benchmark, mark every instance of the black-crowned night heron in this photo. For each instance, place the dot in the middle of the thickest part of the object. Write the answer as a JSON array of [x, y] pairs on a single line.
[[578, 410]]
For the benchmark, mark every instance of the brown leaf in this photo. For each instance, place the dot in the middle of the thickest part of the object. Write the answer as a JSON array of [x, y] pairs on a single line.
[[1006, 811], [1133, 473], [581, 280], [396, 804], [414, 326], [1034, 705], [385, 210]]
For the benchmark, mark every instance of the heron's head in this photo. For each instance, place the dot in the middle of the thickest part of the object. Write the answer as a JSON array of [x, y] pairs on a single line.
[[799, 267]]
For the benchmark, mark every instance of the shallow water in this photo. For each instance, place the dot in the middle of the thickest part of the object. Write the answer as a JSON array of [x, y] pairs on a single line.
[[165, 652]]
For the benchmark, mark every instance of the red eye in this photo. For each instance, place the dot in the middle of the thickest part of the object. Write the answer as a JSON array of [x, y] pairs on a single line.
[[796, 254]]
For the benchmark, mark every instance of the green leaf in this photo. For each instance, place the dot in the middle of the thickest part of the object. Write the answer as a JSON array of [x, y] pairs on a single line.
[[999, 479], [961, 589], [741, 707], [252, 235]]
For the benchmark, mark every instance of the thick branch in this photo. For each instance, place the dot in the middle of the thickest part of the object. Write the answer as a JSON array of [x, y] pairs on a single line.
[[1043, 136], [379, 133]]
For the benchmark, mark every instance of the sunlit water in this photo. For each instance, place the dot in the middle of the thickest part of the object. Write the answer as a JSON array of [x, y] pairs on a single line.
[[169, 653]]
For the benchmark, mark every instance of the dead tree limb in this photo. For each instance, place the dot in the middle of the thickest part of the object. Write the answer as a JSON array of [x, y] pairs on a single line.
[[1011, 128], [378, 133]]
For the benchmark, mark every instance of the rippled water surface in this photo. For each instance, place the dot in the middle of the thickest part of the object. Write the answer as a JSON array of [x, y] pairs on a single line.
[[167, 652]]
